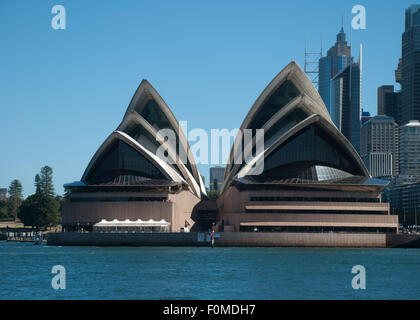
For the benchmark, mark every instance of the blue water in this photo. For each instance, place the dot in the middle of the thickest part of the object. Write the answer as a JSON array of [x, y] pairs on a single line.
[[205, 273]]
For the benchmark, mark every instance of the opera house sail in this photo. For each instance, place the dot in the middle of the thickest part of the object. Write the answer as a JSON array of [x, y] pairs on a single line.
[[126, 180], [307, 177]]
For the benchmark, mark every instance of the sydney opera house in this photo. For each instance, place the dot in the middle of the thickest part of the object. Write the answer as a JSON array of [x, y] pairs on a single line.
[[126, 181], [311, 179]]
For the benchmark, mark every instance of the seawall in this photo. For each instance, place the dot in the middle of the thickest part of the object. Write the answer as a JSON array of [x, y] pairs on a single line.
[[229, 239]]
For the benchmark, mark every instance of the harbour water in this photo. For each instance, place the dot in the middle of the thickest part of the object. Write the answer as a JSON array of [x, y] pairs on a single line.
[[205, 273]]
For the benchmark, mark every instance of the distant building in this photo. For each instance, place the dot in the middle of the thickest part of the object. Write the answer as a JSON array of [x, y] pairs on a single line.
[[398, 71], [382, 90], [338, 57], [345, 106], [203, 178], [404, 201], [3, 193], [410, 72], [409, 152], [216, 177], [365, 116], [379, 146], [388, 101], [392, 103]]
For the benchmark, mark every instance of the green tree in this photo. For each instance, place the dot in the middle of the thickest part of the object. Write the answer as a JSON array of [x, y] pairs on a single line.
[[39, 211], [15, 189], [15, 198], [37, 184], [213, 194], [46, 181], [3, 209]]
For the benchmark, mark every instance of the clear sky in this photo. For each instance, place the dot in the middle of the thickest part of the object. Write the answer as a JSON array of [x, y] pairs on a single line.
[[62, 92]]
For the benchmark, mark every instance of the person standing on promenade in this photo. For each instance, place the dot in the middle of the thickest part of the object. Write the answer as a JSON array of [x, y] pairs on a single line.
[[212, 237]]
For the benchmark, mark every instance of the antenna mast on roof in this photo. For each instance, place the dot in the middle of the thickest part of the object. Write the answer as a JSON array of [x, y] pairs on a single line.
[[311, 66]]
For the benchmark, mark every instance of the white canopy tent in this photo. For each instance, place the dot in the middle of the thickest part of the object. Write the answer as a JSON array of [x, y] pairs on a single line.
[[129, 225]]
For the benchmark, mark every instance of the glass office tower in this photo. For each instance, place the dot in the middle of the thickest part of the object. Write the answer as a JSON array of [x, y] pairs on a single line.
[[346, 106], [338, 57], [410, 74], [409, 160]]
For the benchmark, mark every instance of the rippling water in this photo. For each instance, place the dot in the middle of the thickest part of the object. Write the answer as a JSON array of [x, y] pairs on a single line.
[[205, 273]]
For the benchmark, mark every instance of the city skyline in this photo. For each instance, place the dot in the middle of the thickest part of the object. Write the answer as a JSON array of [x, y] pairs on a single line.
[[270, 147], [91, 69]]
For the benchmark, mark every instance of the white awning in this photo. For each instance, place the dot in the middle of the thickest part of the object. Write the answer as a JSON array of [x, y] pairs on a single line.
[[129, 223]]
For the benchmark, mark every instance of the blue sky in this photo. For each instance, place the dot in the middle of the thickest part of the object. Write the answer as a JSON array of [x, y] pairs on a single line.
[[62, 92]]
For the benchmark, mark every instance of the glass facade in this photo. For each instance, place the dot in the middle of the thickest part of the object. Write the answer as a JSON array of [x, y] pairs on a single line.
[[346, 106], [410, 67], [150, 111], [141, 135], [153, 114], [309, 155], [283, 125], [409, 152], [404, 201], [286, 123], [338, 57], [285, 93], [280, 97], [324, 80], [216, 177], [121, 159]]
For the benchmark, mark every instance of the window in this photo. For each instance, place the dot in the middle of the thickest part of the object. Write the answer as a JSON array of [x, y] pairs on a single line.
[[280, 97], [152, 113], [311, 154], [121, 159]]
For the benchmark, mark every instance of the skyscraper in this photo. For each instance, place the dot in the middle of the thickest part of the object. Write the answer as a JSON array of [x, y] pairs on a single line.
[[409, 158], [398, 71], [338, 57], [410, 66], [388, 101], [382, 91], [346, 102], [365, 117], [379, 146], [216, 177]]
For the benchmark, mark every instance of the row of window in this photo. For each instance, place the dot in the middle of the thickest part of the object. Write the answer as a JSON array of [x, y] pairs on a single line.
[[119, 199], [318, 229], [302, 211], [312, 199]]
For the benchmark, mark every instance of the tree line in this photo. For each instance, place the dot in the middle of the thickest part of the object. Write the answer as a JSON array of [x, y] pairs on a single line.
[[39, 210]]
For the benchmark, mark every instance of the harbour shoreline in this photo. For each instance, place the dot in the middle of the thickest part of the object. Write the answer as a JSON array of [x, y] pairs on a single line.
[[235, 239]]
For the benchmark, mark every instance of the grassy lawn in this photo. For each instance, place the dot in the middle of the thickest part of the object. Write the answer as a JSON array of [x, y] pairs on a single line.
[[11, 224], [18, 224]]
